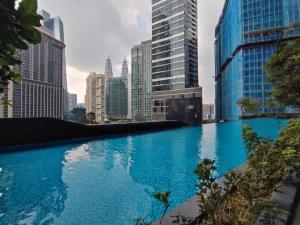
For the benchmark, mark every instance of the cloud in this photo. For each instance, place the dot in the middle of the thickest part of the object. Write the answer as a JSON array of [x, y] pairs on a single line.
[[95, 29]]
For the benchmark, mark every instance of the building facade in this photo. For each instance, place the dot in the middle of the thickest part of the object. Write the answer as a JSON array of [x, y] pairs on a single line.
[[72, 98], [41, 92], [175, 61], [141, 80], [126, 76], [208, 112], [174, 44], [95, 96], [117, 98], [183, 105], [56, 26], [246, 36]]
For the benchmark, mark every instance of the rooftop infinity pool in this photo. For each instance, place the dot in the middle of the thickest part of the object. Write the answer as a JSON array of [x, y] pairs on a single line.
[[111, 181]]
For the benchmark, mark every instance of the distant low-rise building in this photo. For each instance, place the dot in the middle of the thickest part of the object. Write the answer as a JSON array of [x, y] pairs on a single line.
[[184, 105], [72, 98], [95, 96], [208, 112]]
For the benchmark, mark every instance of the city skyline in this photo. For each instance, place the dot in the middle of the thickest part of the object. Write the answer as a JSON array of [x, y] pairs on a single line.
[[88, 51]]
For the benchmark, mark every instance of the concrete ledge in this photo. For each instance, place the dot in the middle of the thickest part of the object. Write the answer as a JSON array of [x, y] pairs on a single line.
[[18, 133]]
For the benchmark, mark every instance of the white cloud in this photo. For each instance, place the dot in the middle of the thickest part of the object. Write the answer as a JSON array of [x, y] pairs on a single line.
[[95, 29], [76, 82]]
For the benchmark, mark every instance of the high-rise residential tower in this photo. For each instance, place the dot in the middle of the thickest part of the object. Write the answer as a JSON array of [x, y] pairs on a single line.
[[126, 76], [40, 93], [56, 26], [141, 80], [108, 69], [95, 96], [174, 44], [246, 36], [175, 60]]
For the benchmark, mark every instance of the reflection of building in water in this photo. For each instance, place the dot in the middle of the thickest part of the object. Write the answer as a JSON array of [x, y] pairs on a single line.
[[173, 171], [35, 184], [208, 142]]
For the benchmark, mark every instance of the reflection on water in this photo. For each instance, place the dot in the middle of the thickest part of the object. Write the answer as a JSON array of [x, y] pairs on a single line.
[[111, 181]]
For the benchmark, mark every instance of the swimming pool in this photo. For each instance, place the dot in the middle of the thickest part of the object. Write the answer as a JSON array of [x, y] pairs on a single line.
[[111, 181]]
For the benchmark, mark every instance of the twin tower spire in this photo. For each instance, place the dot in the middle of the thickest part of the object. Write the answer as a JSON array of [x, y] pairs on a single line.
[[109, 72]]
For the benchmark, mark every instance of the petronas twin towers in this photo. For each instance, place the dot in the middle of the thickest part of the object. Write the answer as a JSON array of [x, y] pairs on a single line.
[[109, 72]]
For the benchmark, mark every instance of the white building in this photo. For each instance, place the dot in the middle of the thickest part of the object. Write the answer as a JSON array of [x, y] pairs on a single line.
[[95, 96]]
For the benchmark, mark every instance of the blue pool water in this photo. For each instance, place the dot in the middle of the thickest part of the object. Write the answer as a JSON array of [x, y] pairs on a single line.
[[111, 181]]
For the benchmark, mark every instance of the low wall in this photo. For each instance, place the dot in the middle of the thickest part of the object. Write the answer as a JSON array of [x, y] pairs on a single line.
[[14, 132]]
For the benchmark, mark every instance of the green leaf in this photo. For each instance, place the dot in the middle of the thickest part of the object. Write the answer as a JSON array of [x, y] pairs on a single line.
[[28, 6]]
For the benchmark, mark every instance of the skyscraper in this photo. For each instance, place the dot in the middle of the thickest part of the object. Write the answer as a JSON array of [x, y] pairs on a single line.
[[246, 36], [174, 44], [124, 72], [126, 76], [108, 69], [117, 98], [141, 79], [175, 60], [40, 93], [95, 96], [56, 26]]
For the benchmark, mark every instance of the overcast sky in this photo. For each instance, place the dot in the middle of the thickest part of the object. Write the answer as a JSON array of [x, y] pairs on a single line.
[[95, 29]]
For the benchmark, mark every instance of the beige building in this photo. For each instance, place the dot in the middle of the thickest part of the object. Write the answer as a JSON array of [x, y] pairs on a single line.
[[95, 96]]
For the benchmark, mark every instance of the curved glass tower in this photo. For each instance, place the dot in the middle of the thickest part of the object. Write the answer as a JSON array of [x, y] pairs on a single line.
[[246, 36]]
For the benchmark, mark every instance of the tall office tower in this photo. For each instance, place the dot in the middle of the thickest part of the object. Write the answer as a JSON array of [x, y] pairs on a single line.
[[56, 26], [126, 76], [141, 79], [124, 72], [174, 52], [95, 96], [246, 36], [174, 44], [116, 98], [40, 93], [108, 69], [72, 101]]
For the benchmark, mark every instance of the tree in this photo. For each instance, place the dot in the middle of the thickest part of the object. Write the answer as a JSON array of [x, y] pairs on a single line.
[[283, 71], [91, 117], [17, 30], [249, 105], [274, 106]]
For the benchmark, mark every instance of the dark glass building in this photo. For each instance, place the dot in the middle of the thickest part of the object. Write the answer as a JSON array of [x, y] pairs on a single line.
[[247, 35]]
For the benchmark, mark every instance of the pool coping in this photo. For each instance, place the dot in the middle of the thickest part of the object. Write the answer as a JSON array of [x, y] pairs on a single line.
[[39, 145], [287, 197]]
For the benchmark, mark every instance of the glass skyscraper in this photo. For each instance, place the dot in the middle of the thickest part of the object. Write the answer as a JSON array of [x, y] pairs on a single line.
[[247, 35], [117, 98], [174, 44], [141, 80]]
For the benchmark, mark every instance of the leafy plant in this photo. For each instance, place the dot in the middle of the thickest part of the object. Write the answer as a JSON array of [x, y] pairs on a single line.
[[17, 29], [244, 197], [91, 116], [248, 105], [283, 71]]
